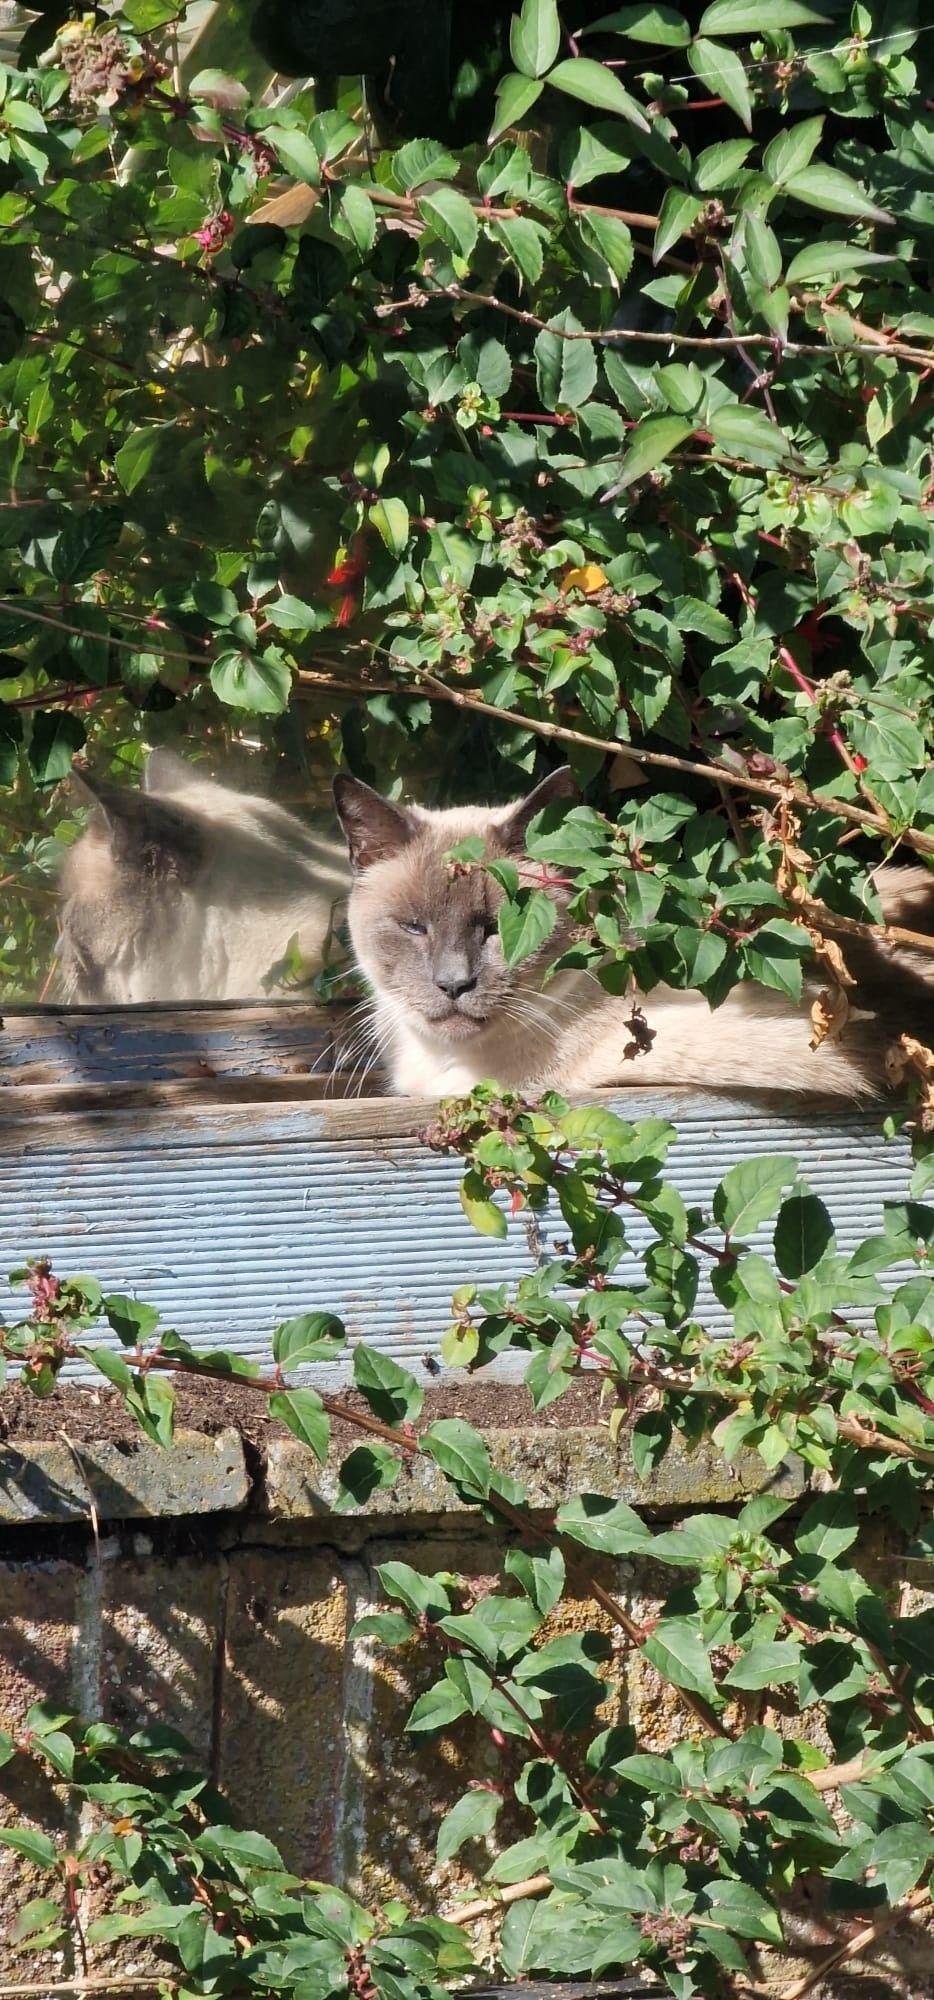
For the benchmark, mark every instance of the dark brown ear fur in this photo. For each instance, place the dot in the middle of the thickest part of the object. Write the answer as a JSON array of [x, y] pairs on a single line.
[[510, 833], [375, 829], [147, 836]]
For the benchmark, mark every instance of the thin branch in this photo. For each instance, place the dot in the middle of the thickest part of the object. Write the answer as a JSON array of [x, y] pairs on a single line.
[[534, 1885], [146, 1982], [894, 934], [854, 1947], [722, 774], [608, 336]]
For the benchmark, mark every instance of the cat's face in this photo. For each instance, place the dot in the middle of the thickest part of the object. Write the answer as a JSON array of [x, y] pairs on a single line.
[[424, 929]]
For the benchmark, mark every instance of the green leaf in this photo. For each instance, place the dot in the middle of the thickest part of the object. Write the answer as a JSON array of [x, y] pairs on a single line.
[[580, 77], [112, 1366], [132, 1321], [535, 37], [610, 1526], [833, 192], [514, 97], [260, 686], [461, 1454], [763, 251], [739, 17], [771, 1663], [515, 1936], [303, 1413], [832, 260], [524, 241], [422, 160], [391, 1626], [803, 1233], [137, 454], [246, 1850], [449, 214], [296, 152], [679, 212], [660, 25], [609, 240], [85, 543], [565, 364], [56, 737], [437, 1708], [750, 1192], [653, 440], [541, 1576], [355, 219], [392, 1393], [724, 76], [152, 1401], [368, 1469], [649, 1441], [675, 1648], [791, 150], [473, 1817], [829, 1527], [309, 1337], [525, 923], [743, 432], [33, 1846], [736, 1907], [478, 1207], [390, 518]]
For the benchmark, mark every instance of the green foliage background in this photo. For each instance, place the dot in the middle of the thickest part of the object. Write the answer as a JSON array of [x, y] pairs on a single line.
[[590, 382], [531, 378]]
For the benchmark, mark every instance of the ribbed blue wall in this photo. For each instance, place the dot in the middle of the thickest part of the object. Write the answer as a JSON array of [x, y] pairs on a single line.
[[232, 1220]]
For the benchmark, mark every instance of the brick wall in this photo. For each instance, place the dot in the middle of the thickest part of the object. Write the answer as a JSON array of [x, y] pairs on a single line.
[[225, 1609]]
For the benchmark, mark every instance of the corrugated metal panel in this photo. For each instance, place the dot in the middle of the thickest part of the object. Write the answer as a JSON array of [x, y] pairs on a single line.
[[231, 1222]]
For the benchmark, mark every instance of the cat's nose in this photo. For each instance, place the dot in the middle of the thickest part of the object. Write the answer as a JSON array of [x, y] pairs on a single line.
[[455, 980]]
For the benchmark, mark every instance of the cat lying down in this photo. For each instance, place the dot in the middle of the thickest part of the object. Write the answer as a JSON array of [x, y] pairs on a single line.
[[188, 890], [448, 1011]]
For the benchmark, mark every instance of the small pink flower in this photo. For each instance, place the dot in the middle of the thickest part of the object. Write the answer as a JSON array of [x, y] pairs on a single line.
[[215, 232]]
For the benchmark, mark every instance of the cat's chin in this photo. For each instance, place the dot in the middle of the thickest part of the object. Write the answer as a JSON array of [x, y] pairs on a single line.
[[456, 1028]]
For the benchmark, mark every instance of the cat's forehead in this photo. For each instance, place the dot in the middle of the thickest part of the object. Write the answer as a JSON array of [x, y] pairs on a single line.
[[422, 876]]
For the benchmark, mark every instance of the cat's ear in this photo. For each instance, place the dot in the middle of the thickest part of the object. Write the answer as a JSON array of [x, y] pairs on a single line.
[[166, 773], [146, 835], [374, 828], [511, 831]]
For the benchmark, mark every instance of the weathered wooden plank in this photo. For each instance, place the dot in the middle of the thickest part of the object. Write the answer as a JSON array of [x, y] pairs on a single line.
[[81, 1046]]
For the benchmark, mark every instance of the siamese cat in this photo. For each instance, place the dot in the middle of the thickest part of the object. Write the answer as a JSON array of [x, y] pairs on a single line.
[[448, 1010], [188, 890]]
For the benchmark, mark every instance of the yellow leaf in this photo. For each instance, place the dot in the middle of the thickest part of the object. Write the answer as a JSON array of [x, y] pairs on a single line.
[[588, 578]]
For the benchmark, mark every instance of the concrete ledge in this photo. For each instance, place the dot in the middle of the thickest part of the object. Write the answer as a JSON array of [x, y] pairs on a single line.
[[552, 1464], [49, 1482], [55, 1482]]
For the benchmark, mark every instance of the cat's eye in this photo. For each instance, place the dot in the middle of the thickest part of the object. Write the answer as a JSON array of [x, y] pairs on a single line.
[[414, 929]]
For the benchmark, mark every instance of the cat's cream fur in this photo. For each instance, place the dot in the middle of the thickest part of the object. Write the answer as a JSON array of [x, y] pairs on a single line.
[[447, 1012], [188, 890]]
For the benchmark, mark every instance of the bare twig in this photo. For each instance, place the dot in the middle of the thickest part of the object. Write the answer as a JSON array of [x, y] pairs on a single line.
[[854, 1947], [535, 1885], [722, 774]]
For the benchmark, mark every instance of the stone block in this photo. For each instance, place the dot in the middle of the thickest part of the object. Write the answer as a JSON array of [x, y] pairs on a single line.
[[161, 1621], [40, 1620], [50, 1481], [400, 1787], [280, 1748], [551, 1464]]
